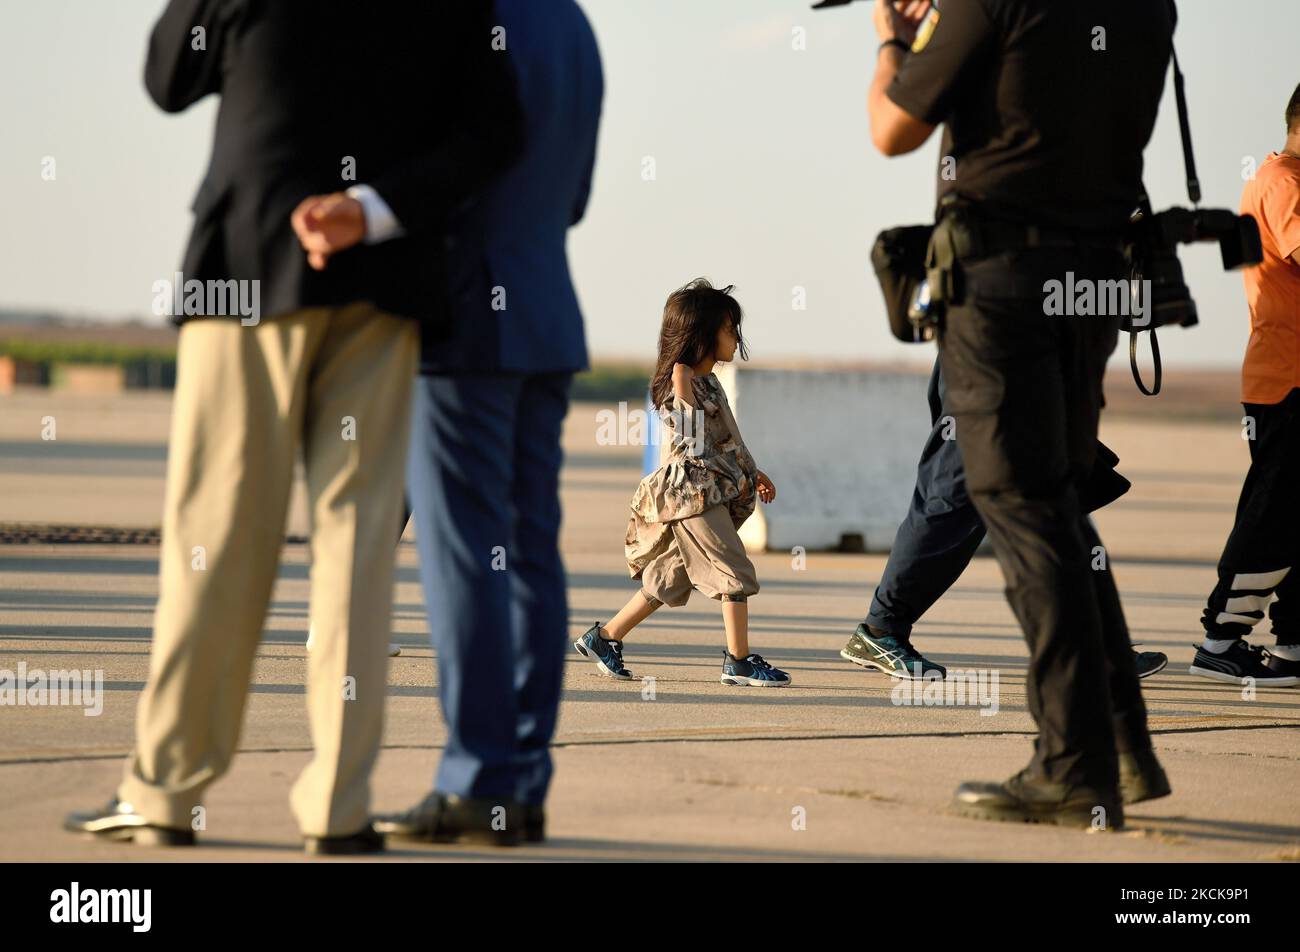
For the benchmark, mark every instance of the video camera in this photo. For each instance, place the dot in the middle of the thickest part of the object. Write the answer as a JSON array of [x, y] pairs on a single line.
[[1153, 255]]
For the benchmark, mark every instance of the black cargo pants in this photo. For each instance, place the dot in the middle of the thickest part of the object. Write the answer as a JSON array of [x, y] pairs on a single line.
[[1025, 389]]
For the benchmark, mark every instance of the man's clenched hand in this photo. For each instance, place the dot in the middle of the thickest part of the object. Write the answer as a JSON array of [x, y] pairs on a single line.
[[328, 224]]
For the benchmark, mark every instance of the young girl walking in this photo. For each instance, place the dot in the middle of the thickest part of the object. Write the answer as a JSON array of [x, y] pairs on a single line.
[[682, 534]]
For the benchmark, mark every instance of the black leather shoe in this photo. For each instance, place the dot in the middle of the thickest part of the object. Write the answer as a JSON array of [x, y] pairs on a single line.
[[366, 840], [534, 823], [1141, 777], [1034, 801], [446, 818], [118, 821]]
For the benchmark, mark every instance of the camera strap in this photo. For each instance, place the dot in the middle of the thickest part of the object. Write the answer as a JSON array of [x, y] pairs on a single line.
[[1155, 360], [1193, 195], [1184, 126]]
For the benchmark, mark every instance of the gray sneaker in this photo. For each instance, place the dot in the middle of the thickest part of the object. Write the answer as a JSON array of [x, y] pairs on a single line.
[[873, 648]]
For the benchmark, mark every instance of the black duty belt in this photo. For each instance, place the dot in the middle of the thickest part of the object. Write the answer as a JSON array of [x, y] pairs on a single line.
[[964, 234], [975, 236], [1010, 236]]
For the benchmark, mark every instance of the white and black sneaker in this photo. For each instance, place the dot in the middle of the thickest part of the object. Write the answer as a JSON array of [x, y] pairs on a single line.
[[1241, 662]]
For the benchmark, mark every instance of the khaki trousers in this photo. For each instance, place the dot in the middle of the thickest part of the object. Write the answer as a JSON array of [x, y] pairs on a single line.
[[337, 383], [706, 554]]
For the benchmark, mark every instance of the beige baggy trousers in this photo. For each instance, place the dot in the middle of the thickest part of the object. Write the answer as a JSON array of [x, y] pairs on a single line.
[[706, 554], [335, 382]]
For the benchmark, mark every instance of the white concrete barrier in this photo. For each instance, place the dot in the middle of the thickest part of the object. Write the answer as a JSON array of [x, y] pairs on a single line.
[[841, 447]]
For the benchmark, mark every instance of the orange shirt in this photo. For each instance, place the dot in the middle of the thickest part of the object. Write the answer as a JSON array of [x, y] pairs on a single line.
[[1272, 366]]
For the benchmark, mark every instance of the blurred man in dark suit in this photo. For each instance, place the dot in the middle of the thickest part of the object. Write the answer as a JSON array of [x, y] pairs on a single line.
[[343, 145], [485, 458]]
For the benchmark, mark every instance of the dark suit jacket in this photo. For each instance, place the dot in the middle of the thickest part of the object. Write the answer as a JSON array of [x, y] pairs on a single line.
[[514, 238], [411, 95]]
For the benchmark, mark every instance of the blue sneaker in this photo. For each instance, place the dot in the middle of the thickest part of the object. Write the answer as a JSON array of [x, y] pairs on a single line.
[[607, 654], [752, 671]]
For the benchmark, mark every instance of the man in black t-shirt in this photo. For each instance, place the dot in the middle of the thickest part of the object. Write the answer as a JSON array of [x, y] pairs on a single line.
[[1046, 108]]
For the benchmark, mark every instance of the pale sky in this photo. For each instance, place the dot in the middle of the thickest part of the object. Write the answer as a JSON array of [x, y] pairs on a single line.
[[765, 176]]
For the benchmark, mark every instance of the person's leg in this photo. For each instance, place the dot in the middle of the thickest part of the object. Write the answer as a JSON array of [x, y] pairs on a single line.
[[636, 610], [460, 476], [354, 448], [713, 558], [1093, 464], [1128, 709], [1017, 395], [1259, 559], [718, 567], [663, 582], [700, 546], [539, 600], [1261, 550], [939, 535], [735, 619], [1285, 614], [236, 416]]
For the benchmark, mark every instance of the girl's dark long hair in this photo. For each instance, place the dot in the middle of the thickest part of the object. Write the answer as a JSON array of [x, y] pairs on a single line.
[[693, 315]]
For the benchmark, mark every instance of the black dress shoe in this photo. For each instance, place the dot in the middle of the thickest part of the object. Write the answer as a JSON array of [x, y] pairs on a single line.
[[1141, 777], [446, 818], [366, 840], [118, 821], [1034, 801], [534, 823]]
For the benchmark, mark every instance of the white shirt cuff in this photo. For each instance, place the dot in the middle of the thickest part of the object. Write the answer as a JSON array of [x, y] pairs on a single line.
[[381, 223]]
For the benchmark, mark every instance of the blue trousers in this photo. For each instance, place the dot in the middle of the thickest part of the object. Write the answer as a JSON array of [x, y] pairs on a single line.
[[942, 530], [483, 478], [939, 536]]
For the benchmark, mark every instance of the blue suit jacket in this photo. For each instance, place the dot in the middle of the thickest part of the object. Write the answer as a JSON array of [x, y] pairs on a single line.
[[513, 304]]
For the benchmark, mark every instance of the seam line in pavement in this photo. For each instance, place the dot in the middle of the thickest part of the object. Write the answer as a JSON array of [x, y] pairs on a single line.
[[709, 739]]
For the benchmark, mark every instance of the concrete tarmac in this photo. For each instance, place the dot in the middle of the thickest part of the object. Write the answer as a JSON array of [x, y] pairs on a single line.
[[680, 767]]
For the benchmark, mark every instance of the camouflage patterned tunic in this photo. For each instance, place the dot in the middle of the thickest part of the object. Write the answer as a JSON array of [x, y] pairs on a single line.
[[708, 465]]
